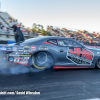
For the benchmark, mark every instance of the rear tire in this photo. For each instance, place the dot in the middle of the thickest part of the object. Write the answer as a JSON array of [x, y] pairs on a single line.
[[41, 60]]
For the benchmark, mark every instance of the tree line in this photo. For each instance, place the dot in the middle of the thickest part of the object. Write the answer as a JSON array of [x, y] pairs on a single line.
[[37, 28]]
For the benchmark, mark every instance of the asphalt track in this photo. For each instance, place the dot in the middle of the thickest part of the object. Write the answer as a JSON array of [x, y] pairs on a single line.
[[70, 84]]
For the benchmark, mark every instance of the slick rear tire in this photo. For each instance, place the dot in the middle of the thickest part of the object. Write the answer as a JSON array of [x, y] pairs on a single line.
[[42, 60]]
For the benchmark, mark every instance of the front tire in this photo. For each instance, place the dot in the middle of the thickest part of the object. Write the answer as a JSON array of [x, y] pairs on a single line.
[[98, 64], [41, 60]]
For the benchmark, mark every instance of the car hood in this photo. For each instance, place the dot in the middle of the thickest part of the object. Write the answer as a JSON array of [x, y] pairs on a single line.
[[91, 48]]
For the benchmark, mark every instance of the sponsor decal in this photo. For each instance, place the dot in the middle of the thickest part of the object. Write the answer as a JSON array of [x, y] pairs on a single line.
[[80, 55], [33, 48], [21, 60], [13, 55], [20, 50], [18, 53], [9, 49], [43, 48], [26, 48], [24, 55], [3, 48], [27, 51], [11, 59], [17, 58], [14, 48]]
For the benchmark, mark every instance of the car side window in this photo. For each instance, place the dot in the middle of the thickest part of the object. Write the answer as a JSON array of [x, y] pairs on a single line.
[[53, 41], [72, 43], [68, 43], [61, 43]]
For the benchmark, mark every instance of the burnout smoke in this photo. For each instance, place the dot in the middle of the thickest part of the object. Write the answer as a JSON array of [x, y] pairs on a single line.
[[7, 68], [11, 68]]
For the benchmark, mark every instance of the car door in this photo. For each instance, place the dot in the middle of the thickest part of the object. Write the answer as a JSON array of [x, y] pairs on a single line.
[[73, 54], [62, 51]]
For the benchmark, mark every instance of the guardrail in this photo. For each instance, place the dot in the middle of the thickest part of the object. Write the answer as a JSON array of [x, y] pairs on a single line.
[[4, 20]]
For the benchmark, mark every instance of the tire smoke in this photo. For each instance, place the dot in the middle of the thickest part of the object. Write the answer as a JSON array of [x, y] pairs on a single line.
[[7, 68]]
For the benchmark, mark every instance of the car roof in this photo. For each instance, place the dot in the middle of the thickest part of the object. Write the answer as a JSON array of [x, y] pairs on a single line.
[[55, 37], [52, 37], [48, 37], [44, 37]]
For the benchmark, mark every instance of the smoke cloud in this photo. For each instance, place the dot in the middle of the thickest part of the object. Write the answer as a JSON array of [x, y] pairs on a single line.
[[7, 68]]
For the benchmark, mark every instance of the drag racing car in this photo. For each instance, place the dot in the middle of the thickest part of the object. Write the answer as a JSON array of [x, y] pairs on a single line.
[[52, 52]]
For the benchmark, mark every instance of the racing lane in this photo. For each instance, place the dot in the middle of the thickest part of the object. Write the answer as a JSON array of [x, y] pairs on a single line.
[[75, 84]]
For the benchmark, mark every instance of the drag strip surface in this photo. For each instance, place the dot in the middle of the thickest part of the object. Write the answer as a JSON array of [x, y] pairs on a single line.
[[75, 84]]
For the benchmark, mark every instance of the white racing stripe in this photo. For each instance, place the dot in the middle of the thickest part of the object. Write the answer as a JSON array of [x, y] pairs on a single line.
[[94, 99]]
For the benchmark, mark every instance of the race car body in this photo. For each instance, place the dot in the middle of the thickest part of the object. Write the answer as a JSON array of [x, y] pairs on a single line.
[[57, 52]]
